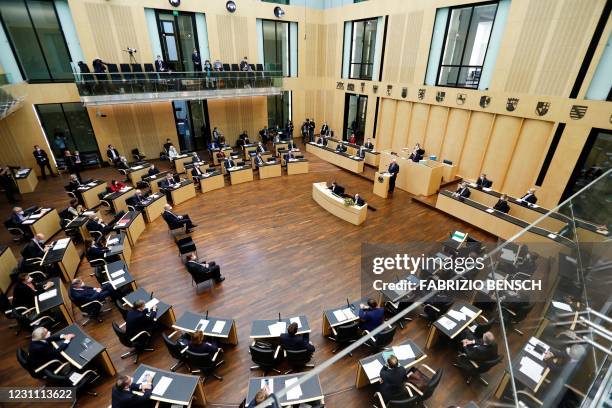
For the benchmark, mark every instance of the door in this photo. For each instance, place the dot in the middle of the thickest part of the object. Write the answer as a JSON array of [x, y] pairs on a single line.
[[178, 37], [355, 110], [192, 125]]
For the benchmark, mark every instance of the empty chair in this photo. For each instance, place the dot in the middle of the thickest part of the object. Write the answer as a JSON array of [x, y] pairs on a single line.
[[471, 368], [436, 307], [226, 67], [265, 357], [204, 364], [137, 155], [114, 72], [259, 67], [345, 335], [382, 339], [516, 315], [393, 309], [186, 246], [126, 69], [138, 343], [175, 349], [298, 359], [16, 232], [92, 310]]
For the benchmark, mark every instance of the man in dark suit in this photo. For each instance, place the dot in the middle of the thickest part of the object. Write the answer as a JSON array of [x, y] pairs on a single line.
[[393, 380], [370, 316], [311, 130], [530, 197], [368, 144], [229, 163], [167, 145], [18, 216], [7, 183], [136, 200], [26, 290], [483, 181], [325, 129], [168, 183], [35, 248], [95, 250], [122, 163], [291, 145], [96, 224], [462, 191], [394, 168], [196, 172], [484, 349], [244, 64], [124, 397], [197, 60], [43, 161], [358, 200], [336, 188], [260, 148], [341, 148], [305, 131], [140, 319], [320, 141], [112, 154], [71, 165], [41, 350], [74, 183], [160, 65], [202, 271], [81, 294], [176, 221], [152, 171], [258, 160], [502, 204], [293, 341]]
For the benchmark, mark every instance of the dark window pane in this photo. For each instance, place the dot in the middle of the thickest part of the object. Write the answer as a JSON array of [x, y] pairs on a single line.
[[276, 45], [363, 45], [80, 127], [480, 32]]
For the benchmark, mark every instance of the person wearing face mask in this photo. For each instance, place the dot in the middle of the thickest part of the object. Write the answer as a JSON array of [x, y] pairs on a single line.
[[74, 183], [208, 68], [197, 60], [41, 350], [26, 290], [124, 397], [35, 248], [43, 161], [7, 183], [18, 216], [160, 65]]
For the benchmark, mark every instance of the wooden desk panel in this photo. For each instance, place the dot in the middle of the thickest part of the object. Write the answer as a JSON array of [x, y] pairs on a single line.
[[356, 166], [241, 176], [8, 264], [90, 197], [381, 188], [335, 205], [415, 178], [183, 193], [269, 171], [27, 184], [155, 209], [48, 224], [179, 164], [212, 183], [135, 229], [298, 167], [372, 158], [70, 262], [136, 175]]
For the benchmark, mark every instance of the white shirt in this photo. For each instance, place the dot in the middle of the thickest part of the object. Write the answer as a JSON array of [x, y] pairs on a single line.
[[172, 152]]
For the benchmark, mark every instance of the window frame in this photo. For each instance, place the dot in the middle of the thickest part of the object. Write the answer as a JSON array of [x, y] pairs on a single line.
[[177, 34], [461, 66], [289, 65], [40, 47], [361, 64]]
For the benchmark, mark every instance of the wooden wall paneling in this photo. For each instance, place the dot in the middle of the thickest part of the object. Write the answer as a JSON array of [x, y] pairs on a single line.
[[330, 105], [242, 28], [123, 20], [410, 50], [310, 49], [386, 124], [418, 124], [331, 45], [456, 129], [320, 103], [321, 61], [225, 33], [525, 163], [402, 122], [100, 23], [475, 144], [9, 154], [395, 39], [436, 128], [502, 143]]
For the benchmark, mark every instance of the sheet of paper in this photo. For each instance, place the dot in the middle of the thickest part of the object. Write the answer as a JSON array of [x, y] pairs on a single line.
[[153, 177], [268, 382], [447, 323], [296, 320], [202, 324], [75, 378], [348, 312], [490, 210], [372, 369], [219, 326], [466, 311], [339, 315], [458, 316], [404, 352], [118, 281], [47, 295], [61, 243], [112, 241], [92, 184], [487, 189], [151, 303], [295, 392], [35, 216], [531, 369], [162, 386], [144, 376], [562, 306], [277, 328], [552, 236], [28, 222], [117, 273]]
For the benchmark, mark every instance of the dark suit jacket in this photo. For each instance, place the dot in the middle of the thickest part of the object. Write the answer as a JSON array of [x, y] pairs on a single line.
[[95, 252], [122, 165], [23, 295], [136, 321], [73, 185], [463, 192], [160, 66], [14, 219], [502, 206], [484, 183], [205, 347], [40, 156], [32, 250], [393, 380], [393, 169], [260, 149], [258, 161], [196, 59], [229, 164], [324, 129], [416, 157], [84, 294], [196, 172], [172, 220], [127, 399], [165, 184], [153, 171], [530, 198], [359, 201], [341, 148], [369, 145], [42, 351], [297, 342], [94, 226], [371, 319], [199, 271], [481, 352], [110, 155]]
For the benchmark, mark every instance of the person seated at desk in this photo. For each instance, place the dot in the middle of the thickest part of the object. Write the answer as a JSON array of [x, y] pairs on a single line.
[[152, 171], [136, 200], [80, 293], [260, 148], [168, 183], [140, 319], [41, 351], [74, 208], [530, 197], [202, 271], [35, 248], [95, 250], [352, 139], [484, 349], [229, 163], [462, 191], [260, 397], [16, 219], [324, 129], [196, 172], [123, 395], [370, 316], [483, 182], [393, 380], [258, 160], [198, 344], [116, 186], [291, 145], [177, 221], [293, 341], [264, 134], [557, 359], [167, 145], [122, 163], [112, 154], [74, 183], [95, 224], [337, 189], [321, 141], [358, 200], [502, 204], [417, 154], [368, 145], [245, 138], [7, 183], [26, 290], [341, 148], [172, 153], [288, 156], [195, 158]]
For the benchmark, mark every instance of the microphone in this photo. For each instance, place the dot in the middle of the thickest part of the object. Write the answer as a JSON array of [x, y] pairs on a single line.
[[151, 296], [348, 303], [279, 316], [206, 314]]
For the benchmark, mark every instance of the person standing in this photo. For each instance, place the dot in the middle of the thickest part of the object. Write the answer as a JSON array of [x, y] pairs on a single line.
[[43, 161], [73, 168], [393, 169], [197, 61], [7, 183]]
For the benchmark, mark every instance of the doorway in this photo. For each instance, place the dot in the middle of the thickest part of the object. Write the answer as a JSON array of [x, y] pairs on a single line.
[[192, 124], [355, 110], [178, 37]]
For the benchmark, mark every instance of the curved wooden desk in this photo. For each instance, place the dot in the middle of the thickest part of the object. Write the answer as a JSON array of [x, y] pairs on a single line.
[[335, 205]]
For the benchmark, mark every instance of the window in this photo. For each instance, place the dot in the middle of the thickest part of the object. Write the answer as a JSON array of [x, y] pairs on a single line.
[[279, 109], [277, 46], [178, 37], [363, 44], [67, 126], [37, 40], [468, 30]]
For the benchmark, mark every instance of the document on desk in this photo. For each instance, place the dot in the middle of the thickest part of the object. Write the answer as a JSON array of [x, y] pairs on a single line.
[[144, 375], [531, 369], [92, 184], [219, 326], [117, 273], [490, 210], [447, 323], [112, 241], [151, 303], [552, 236], [36, 216], [118, 281], [372, 369], [296, 320], [277, 328], [162, 386], [458, 316], [295, 392], [47, 295], [562, 306], [267, 383], [404, 352], [61, 243], [29, 221], [202, 324], [344, 314], [466, 311]]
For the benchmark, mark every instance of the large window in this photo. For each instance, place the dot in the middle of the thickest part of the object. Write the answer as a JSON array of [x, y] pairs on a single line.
[[178, 37], [276, 45], [279, 109], [37, 40], [363, 45], [67, 126], [468, 30]]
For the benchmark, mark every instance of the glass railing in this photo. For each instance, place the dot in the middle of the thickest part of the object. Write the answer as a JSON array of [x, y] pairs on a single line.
[[159, 82], [543, 297]]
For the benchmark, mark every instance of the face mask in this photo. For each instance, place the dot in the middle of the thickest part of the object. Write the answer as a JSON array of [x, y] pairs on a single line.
[[30, 279], [41, 242], [20, 213]]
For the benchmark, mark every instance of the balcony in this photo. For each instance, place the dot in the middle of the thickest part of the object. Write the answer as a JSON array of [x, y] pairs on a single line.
[[122, 88], [10, 97]]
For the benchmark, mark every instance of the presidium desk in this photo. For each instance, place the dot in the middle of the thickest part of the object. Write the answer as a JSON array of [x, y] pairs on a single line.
[[335, 204], [344, 160], [423, 178]]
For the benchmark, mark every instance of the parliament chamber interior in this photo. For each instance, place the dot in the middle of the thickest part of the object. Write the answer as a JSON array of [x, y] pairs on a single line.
[[306, 203]]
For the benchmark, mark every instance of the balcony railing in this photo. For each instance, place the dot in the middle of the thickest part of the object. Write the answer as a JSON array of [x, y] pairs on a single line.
[[154, 86], [11, 98]]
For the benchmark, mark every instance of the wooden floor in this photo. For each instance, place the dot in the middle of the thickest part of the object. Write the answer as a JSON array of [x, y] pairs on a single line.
[[280, 253]]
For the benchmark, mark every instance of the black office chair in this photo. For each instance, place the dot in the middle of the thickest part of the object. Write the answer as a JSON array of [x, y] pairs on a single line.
[[265, 357], [138, 343], [176, 351], [345, 335], [382, 339], [471, 368], [186, 246], [426, 393], [409, 402], [298, 360], [204, 364], [29, 320], [137, 155], [38, 372], [122, 308], [92, 310], [393, 309], [434, 310], [17, 233], [514, 316], [62, 379]]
